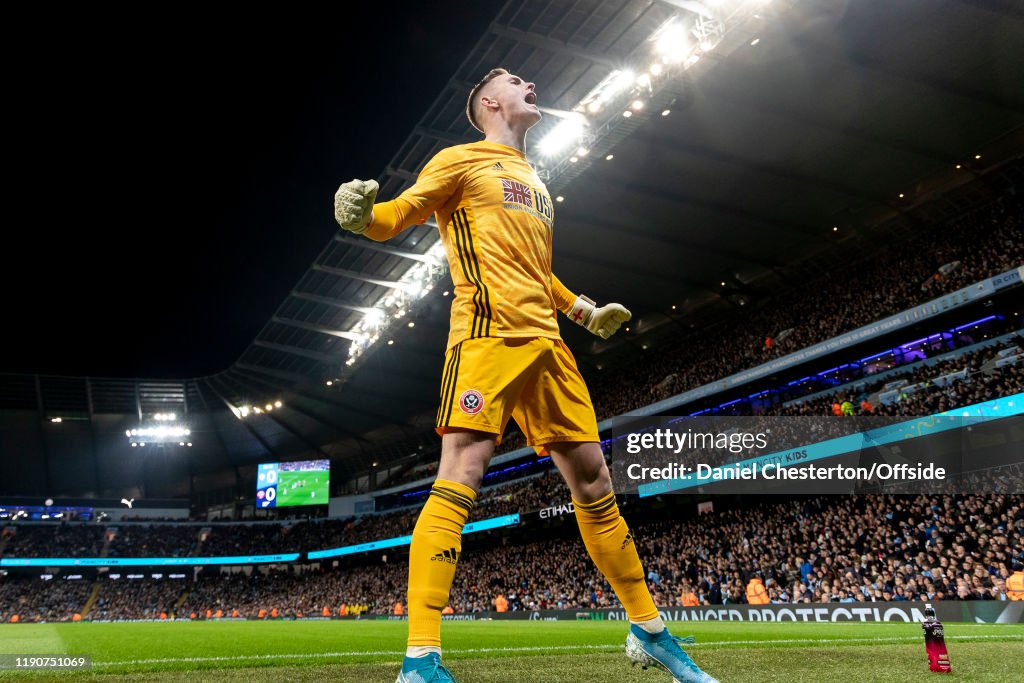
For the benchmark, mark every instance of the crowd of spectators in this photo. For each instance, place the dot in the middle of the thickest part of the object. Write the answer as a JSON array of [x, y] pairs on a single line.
[[127, 598], [55, 540], [289, 593], [827, 549], [170, 540], [38, 599], [981, 382], [530, 494], [165, 540], [535, 493], [984, 244], [857, 548]]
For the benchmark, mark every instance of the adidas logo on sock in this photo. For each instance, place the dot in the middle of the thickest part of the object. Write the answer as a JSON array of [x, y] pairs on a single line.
[[498, 167], [451, 556], [629, 539]]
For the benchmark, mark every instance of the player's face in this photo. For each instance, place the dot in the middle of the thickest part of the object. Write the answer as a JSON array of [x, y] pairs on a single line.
[[517, 99]]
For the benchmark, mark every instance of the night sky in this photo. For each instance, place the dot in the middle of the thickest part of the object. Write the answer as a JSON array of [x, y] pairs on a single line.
[[174, 182]]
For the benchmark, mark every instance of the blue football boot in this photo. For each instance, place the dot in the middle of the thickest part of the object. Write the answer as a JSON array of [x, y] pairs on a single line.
[[663, 651], [426, 669]]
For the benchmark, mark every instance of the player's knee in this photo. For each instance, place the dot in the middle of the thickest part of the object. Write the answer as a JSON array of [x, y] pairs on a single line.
[[595, 473], [463, 469], [469, 473], [465, 456], [593, 485]]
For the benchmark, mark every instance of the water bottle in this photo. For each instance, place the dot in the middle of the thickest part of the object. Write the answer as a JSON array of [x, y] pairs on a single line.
[[934, 641]]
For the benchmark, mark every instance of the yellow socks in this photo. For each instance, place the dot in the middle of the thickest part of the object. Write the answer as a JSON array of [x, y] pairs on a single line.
[[437, 546], [433, 556], [611, 546]]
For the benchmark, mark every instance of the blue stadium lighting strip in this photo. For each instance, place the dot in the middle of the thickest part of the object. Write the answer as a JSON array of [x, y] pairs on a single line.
[[491, 475], [482, 525], [143, 561], [1000, 408]]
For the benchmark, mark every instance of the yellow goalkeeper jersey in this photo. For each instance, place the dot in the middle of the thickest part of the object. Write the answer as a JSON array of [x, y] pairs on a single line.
[[495, 218]]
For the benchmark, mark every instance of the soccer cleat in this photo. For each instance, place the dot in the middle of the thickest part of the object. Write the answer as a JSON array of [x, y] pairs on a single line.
[[426, 669], [663, 651]]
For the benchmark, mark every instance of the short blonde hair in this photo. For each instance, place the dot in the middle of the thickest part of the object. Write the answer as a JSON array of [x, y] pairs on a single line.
[[471, 104]]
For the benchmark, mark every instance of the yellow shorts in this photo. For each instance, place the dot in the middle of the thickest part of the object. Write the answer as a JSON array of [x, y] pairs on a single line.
[[535, 381]]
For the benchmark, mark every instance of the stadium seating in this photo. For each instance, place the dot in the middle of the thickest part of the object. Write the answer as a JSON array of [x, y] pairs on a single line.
[[864, 548]]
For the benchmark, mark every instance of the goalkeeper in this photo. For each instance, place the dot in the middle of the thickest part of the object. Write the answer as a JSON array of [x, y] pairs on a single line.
[[506, 359]]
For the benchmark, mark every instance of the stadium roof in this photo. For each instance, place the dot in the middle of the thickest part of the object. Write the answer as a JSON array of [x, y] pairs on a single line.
[[804, 131]]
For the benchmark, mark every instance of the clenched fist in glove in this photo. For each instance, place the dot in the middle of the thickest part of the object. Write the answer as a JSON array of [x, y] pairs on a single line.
[[353, 205], [604, 321]]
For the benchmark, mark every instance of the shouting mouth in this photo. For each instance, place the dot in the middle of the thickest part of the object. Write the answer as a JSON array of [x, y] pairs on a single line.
[[531, 98]]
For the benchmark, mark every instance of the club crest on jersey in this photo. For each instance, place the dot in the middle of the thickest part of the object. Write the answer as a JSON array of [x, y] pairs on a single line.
[[471, 402]]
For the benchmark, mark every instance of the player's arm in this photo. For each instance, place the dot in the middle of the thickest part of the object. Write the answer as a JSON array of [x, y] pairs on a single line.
[[604, 321], [356, 208]]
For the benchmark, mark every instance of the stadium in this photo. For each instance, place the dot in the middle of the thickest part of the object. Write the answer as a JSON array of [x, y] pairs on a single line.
[[811, 415]]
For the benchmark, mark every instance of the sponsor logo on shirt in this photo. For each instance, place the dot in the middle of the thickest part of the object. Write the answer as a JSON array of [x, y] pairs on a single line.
[[518, 196]]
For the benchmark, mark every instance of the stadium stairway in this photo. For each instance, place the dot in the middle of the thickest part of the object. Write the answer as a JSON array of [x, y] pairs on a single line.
[[108, 538], [204, 534], [94, 594], [180, 601], [1009, 356]]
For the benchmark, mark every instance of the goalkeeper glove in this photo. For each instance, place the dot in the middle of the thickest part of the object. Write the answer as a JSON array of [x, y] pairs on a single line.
[[604, 321], [353, 205]]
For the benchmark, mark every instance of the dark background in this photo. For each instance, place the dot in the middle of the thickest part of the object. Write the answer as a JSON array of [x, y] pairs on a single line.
[[172, 181]]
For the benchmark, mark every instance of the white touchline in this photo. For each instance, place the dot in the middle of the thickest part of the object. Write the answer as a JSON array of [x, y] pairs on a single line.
[[545, 648]]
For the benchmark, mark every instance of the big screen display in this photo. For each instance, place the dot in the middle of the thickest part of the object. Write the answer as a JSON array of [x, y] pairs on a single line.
[[287, 484]]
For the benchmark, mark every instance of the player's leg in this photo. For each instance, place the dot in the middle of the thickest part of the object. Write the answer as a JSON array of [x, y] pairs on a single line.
[[480, 376], [612, 547], [558, 416], [437, 546], [604, 531], [556, 413], [465, 455]]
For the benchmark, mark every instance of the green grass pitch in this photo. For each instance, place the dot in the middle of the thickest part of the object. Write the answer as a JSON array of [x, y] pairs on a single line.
[[540, 652], [310, 488]]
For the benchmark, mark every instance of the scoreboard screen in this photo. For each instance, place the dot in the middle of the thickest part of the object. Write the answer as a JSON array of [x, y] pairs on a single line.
[[287, 484]]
